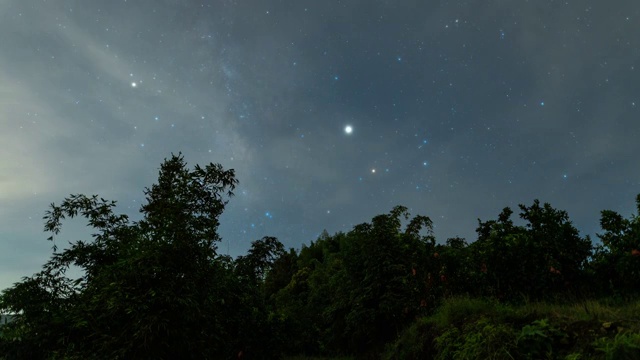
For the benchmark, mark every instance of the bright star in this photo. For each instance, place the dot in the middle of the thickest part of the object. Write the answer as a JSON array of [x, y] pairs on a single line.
[[373, 171], [348, 129], [134, 84]]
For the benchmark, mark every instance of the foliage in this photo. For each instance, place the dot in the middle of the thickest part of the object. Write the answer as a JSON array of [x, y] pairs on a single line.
[[157, 288], [528, 331], [542, 258], [537, 339], [616, 266], [259, 260], [481, 339], [152, 289], [415, 342], [624, 346], [457, 310]]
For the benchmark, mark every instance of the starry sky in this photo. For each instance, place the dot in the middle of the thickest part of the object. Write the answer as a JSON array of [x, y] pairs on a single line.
[[331, 112]]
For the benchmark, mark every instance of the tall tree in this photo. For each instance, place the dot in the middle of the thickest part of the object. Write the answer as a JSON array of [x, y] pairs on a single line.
[[617, 260], [380, 260], [260, 259], [540, 259], [152, 289]]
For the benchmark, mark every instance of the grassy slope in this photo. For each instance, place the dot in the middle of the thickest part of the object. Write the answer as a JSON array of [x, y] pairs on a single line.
[[466, 328]]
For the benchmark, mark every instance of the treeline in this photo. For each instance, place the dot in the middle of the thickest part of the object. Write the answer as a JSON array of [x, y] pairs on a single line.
[[353, 293], [157, 288]]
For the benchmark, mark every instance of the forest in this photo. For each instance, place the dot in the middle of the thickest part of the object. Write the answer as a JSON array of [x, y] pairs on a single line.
[[528, 287]]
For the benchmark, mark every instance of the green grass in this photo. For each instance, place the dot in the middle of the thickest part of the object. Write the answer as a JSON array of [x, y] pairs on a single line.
[[460, 309], [472, 328], [468, 328]]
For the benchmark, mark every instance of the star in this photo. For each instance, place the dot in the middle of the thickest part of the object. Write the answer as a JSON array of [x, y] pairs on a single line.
[[348, 129], [134, 84]]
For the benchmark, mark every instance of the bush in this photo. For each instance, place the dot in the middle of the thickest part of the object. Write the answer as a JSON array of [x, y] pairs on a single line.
[[537, 340], [624, 346], [482, 339]]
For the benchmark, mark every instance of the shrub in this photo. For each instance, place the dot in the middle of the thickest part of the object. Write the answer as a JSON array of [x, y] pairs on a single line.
[[624, 346], [537, 340], [481, 339]]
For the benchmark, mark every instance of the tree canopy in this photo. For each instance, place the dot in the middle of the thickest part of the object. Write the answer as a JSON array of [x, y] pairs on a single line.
[[158, 288], [152, 289]]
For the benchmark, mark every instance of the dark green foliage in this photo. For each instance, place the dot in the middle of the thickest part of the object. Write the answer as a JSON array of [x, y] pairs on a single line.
[[624, 346], [466, 328], [281, 273], [263, 329], [354, 292], [379, 260], [455, 261], [538, 339], [544, 258], [261, 257], [159, 289], [480, 339], [616, 264], [152, 289]]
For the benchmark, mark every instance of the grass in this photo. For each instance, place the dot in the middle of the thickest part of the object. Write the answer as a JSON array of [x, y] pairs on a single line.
[[479, 328], [472, 328], [460, 309]]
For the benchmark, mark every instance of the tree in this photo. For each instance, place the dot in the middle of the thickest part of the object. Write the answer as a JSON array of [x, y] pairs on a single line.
[[541, 259], [260, 259], [151, 289], [617, 260], [282, 271], [456, 263], [378, 277], [252, 270]]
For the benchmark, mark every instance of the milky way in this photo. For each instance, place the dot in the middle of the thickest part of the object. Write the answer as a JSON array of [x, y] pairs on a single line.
[[331, 112]]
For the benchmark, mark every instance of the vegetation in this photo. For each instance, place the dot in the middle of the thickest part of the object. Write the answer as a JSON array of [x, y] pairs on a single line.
[[467, 328], [157, 288]]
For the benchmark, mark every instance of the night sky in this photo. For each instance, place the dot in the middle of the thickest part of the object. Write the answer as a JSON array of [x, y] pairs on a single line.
[[456, 110]]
